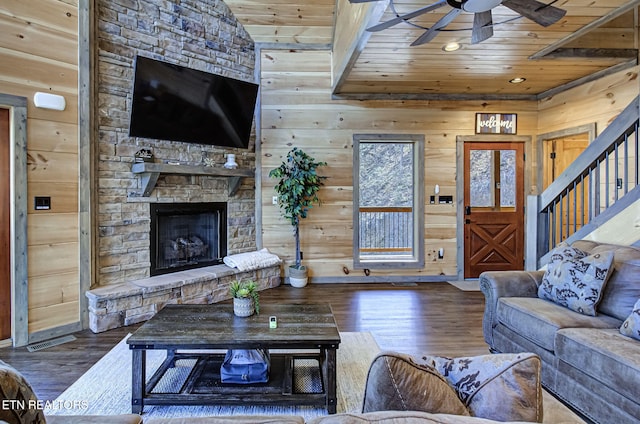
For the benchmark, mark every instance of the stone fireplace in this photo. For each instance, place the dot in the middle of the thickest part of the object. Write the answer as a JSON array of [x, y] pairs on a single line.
[[200, 34], [187, 235]]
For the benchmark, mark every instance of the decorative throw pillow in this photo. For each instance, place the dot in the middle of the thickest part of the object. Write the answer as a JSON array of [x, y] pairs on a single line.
[[16, 392], [575, 280], [501, 387], [563, 252], [396, 382], [631, 326]]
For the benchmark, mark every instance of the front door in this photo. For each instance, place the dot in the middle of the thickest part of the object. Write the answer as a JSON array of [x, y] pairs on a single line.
[[5, 228], [494, 207]]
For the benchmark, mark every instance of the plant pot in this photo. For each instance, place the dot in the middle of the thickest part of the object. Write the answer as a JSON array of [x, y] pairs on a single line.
[[243, 307], [298, 276]]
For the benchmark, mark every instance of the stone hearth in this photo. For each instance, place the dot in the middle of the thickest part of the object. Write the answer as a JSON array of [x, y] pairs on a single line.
[[135, 301]]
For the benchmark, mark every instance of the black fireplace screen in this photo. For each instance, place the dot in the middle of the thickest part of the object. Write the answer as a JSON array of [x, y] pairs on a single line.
[[187, 235]]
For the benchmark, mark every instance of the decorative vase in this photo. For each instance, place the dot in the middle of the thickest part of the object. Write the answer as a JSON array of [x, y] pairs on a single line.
[[298, 276], [243, 307]]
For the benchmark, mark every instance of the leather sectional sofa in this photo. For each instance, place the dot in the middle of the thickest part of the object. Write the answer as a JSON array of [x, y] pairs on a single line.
[[586, 361]]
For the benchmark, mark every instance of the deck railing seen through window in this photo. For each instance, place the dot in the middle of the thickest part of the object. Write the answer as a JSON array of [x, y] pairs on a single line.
[[386, 231]]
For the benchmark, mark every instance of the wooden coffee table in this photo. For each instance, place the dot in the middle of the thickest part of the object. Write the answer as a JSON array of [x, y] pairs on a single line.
[[305, 333]]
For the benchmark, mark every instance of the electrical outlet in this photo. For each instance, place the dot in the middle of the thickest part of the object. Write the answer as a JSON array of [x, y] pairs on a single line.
[[274, 200]]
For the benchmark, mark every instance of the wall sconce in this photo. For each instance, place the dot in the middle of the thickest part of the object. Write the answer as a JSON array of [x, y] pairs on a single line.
[[231, 162], [49, 101]]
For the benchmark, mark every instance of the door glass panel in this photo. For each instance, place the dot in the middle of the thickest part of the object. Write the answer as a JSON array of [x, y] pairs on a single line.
[[481, 179], [508, 178]]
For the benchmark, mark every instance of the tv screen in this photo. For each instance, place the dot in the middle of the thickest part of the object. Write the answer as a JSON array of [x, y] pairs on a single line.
[[172, 102]]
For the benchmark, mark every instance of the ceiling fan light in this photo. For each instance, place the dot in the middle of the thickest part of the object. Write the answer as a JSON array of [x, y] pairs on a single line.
[[517, 80], [477, 6], [451, 47]]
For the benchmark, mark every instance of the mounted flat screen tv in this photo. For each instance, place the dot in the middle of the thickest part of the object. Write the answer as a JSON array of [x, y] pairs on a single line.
[[172, 102]]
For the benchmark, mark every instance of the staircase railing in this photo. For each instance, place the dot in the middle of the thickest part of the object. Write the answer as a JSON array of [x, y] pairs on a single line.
[[605, 172]]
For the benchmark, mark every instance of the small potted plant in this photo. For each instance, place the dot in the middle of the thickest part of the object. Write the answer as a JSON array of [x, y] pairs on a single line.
[[246, 298], [297, 190]]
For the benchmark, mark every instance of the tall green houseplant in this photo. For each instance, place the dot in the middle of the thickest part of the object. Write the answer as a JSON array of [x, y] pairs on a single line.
[[297, 190]]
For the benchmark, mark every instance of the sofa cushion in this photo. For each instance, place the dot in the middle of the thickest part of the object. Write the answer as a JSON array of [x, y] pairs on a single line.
[[97, 419], [229, 419], [631, 326], [574, 280], [605, 355], [502, 387], [397, 382], [396, 417], [538, 320], [623, 288]]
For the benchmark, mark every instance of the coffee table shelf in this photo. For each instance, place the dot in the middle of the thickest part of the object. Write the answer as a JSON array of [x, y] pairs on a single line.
[[203, 384]]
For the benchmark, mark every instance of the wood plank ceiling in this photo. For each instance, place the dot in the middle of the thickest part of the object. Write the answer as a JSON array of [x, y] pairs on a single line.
[[595, 37]]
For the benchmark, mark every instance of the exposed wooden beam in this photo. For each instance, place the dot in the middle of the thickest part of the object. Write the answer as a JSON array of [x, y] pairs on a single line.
[[433, 96], [355, 47], [292, 46], [592, 53], [585, 29]]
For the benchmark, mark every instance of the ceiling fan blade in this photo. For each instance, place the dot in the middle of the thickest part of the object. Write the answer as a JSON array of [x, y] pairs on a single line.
[[402, 18], [361, 1], [431, 33], [482, 27], [538, 12]]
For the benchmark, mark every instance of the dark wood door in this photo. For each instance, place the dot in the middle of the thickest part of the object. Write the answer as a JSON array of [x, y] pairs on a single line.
[[5, 228], [494, 207]]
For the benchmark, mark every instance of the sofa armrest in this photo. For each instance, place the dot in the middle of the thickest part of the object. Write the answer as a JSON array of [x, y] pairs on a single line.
[[497, 284]]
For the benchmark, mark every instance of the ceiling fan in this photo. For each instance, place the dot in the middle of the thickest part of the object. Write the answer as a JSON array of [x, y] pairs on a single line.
[[540, 13]]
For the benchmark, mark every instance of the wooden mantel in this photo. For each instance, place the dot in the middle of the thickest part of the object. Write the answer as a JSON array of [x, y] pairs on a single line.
[[149, 173]]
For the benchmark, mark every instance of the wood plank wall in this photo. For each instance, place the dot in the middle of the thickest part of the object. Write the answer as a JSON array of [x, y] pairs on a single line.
[[297, 110], [39, 52]]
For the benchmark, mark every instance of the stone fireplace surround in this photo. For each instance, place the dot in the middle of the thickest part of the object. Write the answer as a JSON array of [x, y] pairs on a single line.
[[201, 34]]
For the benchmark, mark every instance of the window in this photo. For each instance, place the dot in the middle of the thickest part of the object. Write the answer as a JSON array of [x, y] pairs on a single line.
[[388, 177]]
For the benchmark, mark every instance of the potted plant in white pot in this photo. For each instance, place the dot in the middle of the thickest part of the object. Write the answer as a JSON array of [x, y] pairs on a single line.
[[246, 298], [297, 190]]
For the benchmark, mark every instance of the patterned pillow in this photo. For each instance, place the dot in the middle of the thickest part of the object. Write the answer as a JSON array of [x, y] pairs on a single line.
[[575, 280], [501, 387], [16, 392], [631, 326], [563, 252]]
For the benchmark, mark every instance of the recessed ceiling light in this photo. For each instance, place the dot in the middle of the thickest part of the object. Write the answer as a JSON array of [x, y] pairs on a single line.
[[517, 80], [451, 47]]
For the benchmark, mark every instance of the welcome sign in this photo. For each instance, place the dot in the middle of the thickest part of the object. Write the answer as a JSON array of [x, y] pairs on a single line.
[[496, 123]]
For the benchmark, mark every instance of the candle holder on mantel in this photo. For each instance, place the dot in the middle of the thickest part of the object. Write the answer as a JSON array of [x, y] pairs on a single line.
[[231, 161]]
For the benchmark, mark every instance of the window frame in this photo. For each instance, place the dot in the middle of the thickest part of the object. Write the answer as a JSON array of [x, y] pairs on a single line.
[[417, 260]]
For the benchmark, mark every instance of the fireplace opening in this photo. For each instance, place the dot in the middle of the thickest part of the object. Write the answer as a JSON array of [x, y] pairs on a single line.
[[187, 235]]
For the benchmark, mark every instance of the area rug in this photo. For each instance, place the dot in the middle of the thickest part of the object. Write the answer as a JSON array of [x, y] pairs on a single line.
[[105, 389], [466, 285]]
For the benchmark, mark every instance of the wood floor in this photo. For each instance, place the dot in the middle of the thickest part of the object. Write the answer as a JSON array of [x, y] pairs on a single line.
[[427, 318]]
